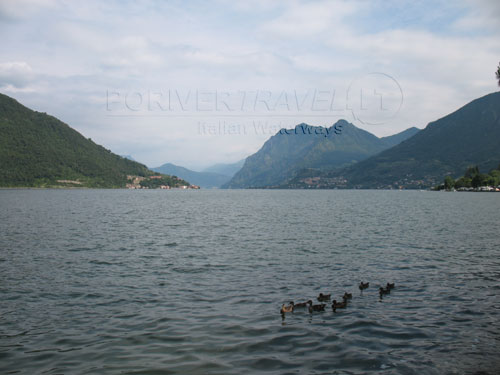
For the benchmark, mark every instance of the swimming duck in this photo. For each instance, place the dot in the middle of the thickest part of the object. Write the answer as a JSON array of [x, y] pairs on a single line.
[[363, 285], [347, 295], [312, 307], [301, 304], [390, 286], [383, 291], [339, 305], [324, 297], [285, 309]]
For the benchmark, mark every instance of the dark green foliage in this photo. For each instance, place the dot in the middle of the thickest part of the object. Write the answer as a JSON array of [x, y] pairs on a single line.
[[482, 179], [477, 180], [471, 172], [155, 183], [449, 183], [463, 182], [495, 175], [36, 150], [474, 178]]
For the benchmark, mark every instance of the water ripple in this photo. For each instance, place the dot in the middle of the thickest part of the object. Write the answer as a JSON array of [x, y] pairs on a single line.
[[195, 285]]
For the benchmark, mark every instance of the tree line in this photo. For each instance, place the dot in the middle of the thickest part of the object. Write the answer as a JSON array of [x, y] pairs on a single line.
[[472, 178]]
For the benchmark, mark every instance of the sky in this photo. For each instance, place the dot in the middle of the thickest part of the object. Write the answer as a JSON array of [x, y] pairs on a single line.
[[196, 83]]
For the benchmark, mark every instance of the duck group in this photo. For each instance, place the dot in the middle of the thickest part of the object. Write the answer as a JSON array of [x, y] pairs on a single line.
[[322, 297], [387, 290]]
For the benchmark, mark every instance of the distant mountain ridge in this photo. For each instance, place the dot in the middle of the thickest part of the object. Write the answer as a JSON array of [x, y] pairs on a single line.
[[393, 140], [227, 169], [38, 150], [289, 152], [212, 177], [448, 146], [203, 179]]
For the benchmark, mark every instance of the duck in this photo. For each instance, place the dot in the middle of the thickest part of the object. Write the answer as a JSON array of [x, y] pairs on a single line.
[[324, 297], [286, 309], [312, 307], [390, 286], [383, 291], [347, 295], [301, 304], [363, 285], [339, 305]]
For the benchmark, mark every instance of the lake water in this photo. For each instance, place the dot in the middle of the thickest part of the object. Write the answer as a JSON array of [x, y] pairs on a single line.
[[191, 282]]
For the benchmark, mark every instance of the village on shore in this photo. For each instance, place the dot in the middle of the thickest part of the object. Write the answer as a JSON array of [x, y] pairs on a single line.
[[478, 189]]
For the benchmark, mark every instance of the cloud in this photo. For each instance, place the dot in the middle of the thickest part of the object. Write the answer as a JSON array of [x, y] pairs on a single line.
[[323, 64], [17, 74], [17, 10], [304, 20], [481, 15], [62, 57]]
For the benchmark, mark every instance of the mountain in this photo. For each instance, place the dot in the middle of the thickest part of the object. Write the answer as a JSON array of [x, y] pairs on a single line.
[[129, 157], [395, 139], [212, 177], [202, 179], [289, 152], [226, 169], [38, 150], [448, 146]]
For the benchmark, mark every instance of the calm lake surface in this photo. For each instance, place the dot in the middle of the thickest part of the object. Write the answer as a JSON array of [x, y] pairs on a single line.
[[191, 282]]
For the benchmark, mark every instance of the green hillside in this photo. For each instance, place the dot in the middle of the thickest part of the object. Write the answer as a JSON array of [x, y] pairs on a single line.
[[469, 136], [38, 150]]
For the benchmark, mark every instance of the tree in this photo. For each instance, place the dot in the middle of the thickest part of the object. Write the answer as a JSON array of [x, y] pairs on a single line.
[[481, 180], [449, 183], [488, 180], [495, 175], [476, 181], [498, 74], [463, 182], [471, 172]]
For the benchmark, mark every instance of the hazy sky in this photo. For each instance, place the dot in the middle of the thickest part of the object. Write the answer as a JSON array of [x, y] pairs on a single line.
[[195, 82]]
